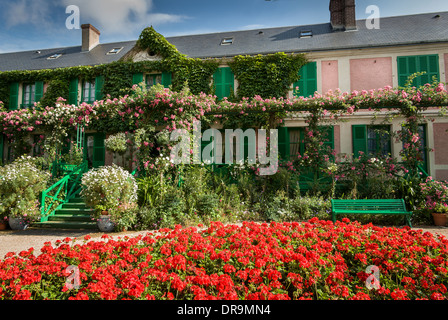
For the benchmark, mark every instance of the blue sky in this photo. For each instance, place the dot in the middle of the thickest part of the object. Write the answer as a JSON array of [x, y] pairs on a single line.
[[40, 24]]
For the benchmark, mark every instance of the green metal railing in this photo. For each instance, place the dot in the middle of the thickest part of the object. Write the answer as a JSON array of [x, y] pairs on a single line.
[[66, 188]]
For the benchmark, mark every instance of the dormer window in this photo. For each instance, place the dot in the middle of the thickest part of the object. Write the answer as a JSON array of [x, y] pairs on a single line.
[[226, 41], [54, 56], [115, 50], [306, 34]]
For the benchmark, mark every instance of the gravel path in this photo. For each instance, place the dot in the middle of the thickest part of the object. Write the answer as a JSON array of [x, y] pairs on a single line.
[[17, 241]]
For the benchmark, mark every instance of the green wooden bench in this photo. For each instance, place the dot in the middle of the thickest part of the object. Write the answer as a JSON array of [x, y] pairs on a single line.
[[371, 206]]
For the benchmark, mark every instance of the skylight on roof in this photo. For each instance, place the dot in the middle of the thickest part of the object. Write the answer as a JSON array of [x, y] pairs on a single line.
[[115, 50], [226, 41], [306, 34], [54, 56]]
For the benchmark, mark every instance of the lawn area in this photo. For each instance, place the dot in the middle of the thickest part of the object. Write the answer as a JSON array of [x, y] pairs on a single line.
[[315, 259]]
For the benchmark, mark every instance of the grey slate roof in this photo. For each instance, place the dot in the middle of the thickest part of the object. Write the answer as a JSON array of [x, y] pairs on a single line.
[[71, 56], [400, 30]]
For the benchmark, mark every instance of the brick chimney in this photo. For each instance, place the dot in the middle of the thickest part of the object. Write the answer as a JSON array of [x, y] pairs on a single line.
[[90, 37], [342, 15]]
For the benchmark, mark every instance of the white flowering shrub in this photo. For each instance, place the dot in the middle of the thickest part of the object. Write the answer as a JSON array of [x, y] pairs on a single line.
[[116, 143], [108, 188], [21, 184]]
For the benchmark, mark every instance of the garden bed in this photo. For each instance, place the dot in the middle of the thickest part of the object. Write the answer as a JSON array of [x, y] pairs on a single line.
[[310, 260]]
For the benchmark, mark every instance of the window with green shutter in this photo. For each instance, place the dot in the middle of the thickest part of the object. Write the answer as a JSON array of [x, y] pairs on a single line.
[[94, 150], [359, 138], [28, 93], [223, 79], [408, 65], [137, 78], [99, 84], [379, 141], [373, 140], [307, 84], [31, 93], [291, 141], [13, 96], [73, 92], [284, 143], [153, 79], [88, 92], [166, 79]]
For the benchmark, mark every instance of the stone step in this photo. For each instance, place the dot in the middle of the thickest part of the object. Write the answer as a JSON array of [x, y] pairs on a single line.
[[66, 225], [82, 211], [71, 217]]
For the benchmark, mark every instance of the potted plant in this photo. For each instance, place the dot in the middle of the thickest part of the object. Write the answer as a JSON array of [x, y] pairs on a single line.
[[440, 213], [21, 184], [103, 219], [3, 223], [436, 196], [21, 219]]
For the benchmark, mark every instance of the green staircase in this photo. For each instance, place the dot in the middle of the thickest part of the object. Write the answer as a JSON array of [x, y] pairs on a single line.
[[73, 215]]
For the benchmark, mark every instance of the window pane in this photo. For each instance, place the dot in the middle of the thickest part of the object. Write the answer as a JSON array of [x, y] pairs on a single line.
[[33, 91], [294, 141], [26, 95], [378, 141]]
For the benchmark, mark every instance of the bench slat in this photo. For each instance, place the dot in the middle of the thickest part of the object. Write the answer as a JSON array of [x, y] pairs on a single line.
[[370, 206]]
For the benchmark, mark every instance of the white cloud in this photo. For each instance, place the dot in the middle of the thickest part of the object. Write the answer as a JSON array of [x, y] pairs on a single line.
[[253, 26], [121, 17], [36, 12]]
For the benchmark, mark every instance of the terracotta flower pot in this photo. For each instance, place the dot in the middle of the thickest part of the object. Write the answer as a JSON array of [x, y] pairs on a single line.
[[2, 226], [440, 219]]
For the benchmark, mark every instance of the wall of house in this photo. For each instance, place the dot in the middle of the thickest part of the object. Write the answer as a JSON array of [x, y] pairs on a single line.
[[370, 73], [329, 75], [364, 69], [440, 135]]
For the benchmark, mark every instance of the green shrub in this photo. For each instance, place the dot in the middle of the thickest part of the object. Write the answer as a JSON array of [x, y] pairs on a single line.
[[169, 212], [21, 184]]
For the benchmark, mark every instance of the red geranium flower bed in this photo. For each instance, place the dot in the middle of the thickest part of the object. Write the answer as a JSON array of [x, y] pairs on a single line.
[[311, 260]]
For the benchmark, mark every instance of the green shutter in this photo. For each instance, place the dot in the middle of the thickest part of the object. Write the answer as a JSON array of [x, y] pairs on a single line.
[[223, 79], [359, 135], [137, 78], [307, 82], [73, 92], [14, 96], [408, 65], [166, 79], [283, 143], [99, 150], [39, 87], [99, 84]]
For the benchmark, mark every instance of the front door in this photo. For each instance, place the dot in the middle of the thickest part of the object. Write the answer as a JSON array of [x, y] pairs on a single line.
[[94, 150]]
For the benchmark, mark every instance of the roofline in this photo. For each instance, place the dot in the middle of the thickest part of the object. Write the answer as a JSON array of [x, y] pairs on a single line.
[[297, 26]]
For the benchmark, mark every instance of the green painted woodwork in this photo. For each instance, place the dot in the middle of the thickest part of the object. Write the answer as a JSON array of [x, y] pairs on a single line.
[[371, 206], [359, 138], [13, 96], [223, 80], [307, 83], [408, 65]]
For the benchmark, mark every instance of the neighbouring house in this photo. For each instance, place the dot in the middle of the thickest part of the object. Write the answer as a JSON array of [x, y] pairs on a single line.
[[344, 54]]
